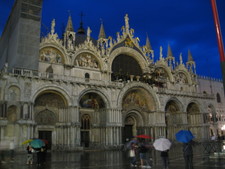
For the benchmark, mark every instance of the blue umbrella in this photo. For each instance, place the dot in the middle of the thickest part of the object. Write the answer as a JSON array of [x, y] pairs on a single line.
[[184, 136], [37, 143]]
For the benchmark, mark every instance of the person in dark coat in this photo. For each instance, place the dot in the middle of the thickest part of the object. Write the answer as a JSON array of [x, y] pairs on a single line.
[[165, 158], [188, 154]]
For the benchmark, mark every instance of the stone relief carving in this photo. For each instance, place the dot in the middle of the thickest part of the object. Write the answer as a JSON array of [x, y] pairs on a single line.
[[181, 78], [50, 100], [51, 55], [87, 60], [46, 117], [13, 93]]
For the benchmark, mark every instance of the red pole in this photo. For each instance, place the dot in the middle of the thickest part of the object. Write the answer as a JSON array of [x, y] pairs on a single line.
[[219, 40], [218, 30]]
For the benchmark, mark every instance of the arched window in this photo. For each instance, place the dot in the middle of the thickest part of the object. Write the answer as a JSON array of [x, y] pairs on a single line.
[[85, 122], [49, 70], [218, 98], [87, 77]]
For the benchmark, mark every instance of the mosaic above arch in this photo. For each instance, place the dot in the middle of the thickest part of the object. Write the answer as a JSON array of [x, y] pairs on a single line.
[[140, 99], [92, 101]]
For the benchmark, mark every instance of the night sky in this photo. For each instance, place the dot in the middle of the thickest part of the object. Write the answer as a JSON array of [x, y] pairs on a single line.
[[183, 24]]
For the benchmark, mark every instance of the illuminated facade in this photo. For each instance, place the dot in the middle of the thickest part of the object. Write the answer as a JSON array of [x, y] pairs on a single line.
[[96, 93]]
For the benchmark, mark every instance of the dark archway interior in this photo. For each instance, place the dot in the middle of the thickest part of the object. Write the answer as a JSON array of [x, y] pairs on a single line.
[[123, 66]]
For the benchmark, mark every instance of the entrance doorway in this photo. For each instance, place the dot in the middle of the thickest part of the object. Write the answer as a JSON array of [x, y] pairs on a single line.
[[127, 133], [46, 135], [85, 130]]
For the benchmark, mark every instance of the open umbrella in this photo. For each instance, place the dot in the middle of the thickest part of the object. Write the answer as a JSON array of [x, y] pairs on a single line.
[[162, 144], [143, 136], [27, 141], [37, 143], [184, 136]]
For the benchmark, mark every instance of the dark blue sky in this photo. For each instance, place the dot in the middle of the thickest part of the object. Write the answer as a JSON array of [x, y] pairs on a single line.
[[184, 24]]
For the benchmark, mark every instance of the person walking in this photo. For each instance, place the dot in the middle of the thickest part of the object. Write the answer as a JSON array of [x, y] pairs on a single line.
[[165, 158], [188, 154], [132, 154], [29, 155], [11, 149], [143, 153]]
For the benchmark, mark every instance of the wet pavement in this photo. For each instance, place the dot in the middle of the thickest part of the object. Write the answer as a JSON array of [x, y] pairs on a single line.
[[104, 160]]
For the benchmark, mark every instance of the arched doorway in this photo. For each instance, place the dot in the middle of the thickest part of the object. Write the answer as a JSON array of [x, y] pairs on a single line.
[[173, 118], [50, 108], [130, 125], [92, 114]]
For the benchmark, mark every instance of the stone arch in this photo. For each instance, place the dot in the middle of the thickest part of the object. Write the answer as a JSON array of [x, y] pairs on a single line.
[[131, 121], [182, 76], [95, 97], [130, 52], [142, 86], [52, 54], [50, 107], [87, 58], [46, 117], [166, 70], [54, 88], [193, 108], [193, 113], [51, 98], [174, 101]]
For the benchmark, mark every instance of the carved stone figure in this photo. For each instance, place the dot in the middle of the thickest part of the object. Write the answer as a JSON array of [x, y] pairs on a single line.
[[53, 27]]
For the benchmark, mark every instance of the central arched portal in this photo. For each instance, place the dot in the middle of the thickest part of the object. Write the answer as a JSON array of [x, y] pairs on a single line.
[[130, 128], [136, 105], [92, 113]]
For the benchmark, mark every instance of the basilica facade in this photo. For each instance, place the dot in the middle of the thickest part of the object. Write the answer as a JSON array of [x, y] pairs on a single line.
[[88, 93]]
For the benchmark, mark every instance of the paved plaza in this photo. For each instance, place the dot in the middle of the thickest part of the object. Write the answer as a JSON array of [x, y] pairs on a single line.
[[104, 160]]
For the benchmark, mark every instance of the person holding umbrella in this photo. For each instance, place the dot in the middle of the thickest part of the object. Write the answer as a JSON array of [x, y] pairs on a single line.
[[188, 154], [163, 145], [185, 137]]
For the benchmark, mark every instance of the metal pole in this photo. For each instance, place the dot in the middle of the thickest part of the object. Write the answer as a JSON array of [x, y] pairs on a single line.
[[219, 40]]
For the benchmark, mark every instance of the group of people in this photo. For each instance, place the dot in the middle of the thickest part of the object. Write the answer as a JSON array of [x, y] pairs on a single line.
[[40, 154], [141, 149]]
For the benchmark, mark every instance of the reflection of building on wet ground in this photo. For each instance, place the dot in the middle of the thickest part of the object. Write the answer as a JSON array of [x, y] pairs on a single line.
[[79, 92]]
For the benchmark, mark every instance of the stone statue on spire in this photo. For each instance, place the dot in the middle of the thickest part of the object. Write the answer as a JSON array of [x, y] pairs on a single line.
[[89, 32], [53, 27], [126, 23], [181, 59], [161, 55]]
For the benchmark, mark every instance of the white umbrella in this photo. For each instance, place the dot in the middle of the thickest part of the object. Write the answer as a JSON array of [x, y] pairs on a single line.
[[162, 144]]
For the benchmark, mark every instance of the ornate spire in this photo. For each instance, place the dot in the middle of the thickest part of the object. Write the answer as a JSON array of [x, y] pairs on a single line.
[[81, 29], [102, 32], [190, 58], [170, 59], [69, 26], [191, 63], [169, 52], [148, 44]]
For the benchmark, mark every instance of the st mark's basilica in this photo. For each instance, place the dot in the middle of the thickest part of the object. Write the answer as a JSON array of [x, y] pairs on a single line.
[[79, 92]]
